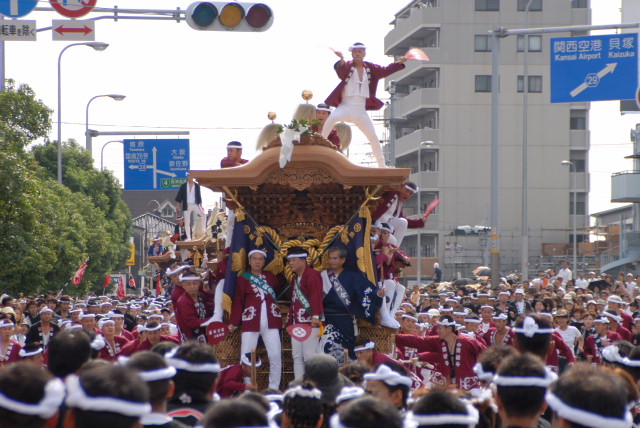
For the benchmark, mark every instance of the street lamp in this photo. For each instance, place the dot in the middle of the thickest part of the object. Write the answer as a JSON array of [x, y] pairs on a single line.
[[98, 46], [419, 270], [575, 214], [86, 132], [102, 151]]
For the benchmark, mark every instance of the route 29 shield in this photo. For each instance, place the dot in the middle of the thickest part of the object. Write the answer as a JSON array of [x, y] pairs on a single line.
[[299, 332]]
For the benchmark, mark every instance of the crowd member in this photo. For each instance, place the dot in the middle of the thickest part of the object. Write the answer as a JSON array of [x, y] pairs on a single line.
[[113, 343], [44, 330], [570, 334], [368, 412], [366, 352], [521, 385], [195, 381], [9, 348], [32, 354], [106, 396], [256, 308], [390, 383], [29, 396], [232, 377], [356, 94], [602, 338], [587, 396], [234, 155], [154, 370], [234, 414], [302, 407], [442, 409], [306, 307]]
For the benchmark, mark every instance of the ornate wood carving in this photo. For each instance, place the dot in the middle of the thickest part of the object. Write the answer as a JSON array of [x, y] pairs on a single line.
[[300, 178]]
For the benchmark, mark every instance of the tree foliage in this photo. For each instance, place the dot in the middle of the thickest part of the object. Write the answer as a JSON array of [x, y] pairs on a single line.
[[47, 230]]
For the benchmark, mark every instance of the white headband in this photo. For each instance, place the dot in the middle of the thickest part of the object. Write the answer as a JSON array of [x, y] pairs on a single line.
[[26, 354], [365, 347], [6, 323], [416, 190], [77, 398], [482, 375], [584, 417], [150, 375], [601, 320], [349, 393], [299, 391], [542, 382], [114, 315], [409, 317], [190, 277], [142, 328], [177, 270], [357, 46], [610, 315], [46, 408], [257, 251], [530, 328], [473, 320], [611, 353], [388, 376], [87, 315], [186, 366], [446, 323], [297, 256], [501, 317], [469, 419], [45, 310], [98, 343], [104, 322]]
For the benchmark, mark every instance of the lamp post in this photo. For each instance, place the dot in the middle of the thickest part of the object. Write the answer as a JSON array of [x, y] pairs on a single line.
[[88, 145], [102, 151], [575, 214], [98, 46], [419, 270]]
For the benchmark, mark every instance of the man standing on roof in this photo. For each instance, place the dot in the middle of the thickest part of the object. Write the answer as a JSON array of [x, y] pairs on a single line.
[[356, 93], [190, 200]]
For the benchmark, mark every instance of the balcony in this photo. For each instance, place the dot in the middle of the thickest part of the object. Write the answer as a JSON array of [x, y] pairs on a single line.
[[625, 186], [580, 180], [579, 140], [416, 100], [413, 30], [417, 72], [427, 179], [410, 142]]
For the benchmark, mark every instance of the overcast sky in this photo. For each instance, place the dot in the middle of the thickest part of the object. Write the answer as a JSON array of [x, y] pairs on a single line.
[[220, 85]]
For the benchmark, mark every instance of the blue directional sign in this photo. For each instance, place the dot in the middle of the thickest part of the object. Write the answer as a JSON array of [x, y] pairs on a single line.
[[594, 68], [17, 8], [155, 164]]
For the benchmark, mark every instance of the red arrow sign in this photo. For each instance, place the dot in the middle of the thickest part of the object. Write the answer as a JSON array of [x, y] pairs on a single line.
[[62, 30]]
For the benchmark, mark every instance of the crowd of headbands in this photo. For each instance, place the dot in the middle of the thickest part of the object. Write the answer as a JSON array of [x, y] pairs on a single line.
[[545, 352]]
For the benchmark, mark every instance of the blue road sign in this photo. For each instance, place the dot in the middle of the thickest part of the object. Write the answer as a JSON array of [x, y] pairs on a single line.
[[17, 8], [155, 164], [594, 68]]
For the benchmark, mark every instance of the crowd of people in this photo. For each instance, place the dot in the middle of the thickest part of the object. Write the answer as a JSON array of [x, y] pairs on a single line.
[[523, 353]]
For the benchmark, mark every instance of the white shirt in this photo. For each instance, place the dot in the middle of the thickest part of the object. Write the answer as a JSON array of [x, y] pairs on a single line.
[[191, 193], [356, 86], [570, 336], [581, 283], [566, 274]]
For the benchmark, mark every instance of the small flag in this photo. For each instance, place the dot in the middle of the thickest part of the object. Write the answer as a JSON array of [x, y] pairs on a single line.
[[107, 281], [417, 54], [121, 292], [77, 278], [159, 286]]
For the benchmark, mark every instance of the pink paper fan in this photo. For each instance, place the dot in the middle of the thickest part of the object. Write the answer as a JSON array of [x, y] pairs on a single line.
[[417, 54]]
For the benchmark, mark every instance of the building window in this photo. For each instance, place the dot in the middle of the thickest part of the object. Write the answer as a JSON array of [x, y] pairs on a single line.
[[535, 43], [579, 4], [536, 5], [483, 83], [488, 5], [482, 44], [578, 120], [580, 208], [535, 84]]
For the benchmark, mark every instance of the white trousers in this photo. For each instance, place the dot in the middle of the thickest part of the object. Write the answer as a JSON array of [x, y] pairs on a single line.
[[271, 339], [302, 351], [218, 312], [352, 109], [193, 209], [400, 226], [395, 292]]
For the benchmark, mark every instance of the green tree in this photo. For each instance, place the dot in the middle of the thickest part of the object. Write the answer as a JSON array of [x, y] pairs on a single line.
[[47, 230]]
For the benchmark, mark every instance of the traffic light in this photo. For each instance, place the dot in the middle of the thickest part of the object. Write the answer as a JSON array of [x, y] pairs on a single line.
[[229, 16]]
